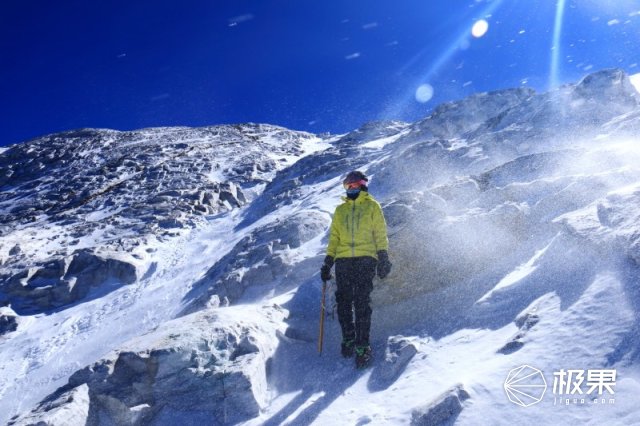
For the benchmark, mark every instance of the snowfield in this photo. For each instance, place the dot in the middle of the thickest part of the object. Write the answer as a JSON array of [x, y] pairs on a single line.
[[170, 276]]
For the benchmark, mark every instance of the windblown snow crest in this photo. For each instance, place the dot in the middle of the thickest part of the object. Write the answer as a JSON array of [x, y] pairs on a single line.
[[187, 258]]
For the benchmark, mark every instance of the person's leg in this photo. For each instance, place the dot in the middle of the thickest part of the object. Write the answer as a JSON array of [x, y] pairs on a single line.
[[364, 274], [344, 301]]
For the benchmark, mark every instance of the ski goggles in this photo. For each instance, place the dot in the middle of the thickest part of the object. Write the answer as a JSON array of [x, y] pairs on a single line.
[[354, 185]]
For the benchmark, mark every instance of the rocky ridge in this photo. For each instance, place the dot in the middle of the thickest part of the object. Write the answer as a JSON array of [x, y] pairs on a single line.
[[81, 208]]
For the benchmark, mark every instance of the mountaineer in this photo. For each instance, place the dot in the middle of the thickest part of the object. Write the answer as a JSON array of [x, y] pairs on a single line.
[[358, 246]]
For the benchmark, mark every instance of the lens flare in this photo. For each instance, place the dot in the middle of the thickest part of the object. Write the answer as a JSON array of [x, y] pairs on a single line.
[[436, 62], [424, 93], [554, 78], [480, 28]]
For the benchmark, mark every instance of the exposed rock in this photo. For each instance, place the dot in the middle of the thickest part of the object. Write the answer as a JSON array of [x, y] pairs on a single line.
[[8, 320], [444, 408], [62, 281], [525, 321], [15, 250], [400, 350], [232, 194], [65, 408], [171, 223], [211, 362]]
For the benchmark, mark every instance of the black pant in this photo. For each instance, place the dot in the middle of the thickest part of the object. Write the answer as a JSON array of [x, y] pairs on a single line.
[[354, 282]]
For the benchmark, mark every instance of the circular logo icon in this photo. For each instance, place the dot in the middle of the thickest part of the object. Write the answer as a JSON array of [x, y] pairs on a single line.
[[525, 385]]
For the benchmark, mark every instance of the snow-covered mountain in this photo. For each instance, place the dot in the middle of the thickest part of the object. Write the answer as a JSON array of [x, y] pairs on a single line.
[[84, 207], [170, 275]]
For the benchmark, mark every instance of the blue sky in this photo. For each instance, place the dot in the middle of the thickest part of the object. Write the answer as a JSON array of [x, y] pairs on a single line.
[[307, 65]]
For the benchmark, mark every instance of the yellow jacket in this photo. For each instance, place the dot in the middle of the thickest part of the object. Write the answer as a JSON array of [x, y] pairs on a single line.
[[358, 228]]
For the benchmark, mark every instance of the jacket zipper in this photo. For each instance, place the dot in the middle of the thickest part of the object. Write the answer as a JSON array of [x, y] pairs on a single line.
[[353, 238]]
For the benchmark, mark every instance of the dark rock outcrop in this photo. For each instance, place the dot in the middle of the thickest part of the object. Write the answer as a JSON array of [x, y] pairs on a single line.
[[8, 320], [442, 410]]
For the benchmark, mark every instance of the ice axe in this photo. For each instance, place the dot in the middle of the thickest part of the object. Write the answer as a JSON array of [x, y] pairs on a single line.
[[321, 336]]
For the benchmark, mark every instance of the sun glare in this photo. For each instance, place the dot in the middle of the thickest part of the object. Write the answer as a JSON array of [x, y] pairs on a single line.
[[424, 93], [479, 28]]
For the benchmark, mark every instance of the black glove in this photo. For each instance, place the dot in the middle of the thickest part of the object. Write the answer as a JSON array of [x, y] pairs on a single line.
[[325, 270], [384, 265]]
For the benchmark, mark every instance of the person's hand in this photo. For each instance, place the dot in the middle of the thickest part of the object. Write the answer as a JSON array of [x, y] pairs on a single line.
[[325, 270], [384, 265]]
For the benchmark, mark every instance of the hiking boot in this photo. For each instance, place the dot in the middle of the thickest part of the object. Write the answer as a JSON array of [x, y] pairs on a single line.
[[363, 356], [347, 348]]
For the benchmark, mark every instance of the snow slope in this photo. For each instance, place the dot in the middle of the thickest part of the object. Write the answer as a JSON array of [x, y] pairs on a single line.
[[514, 236]]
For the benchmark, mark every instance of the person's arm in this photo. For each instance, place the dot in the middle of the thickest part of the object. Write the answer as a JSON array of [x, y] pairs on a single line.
[[382, 243], [334, 237], [332, 248], [380, 229]]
